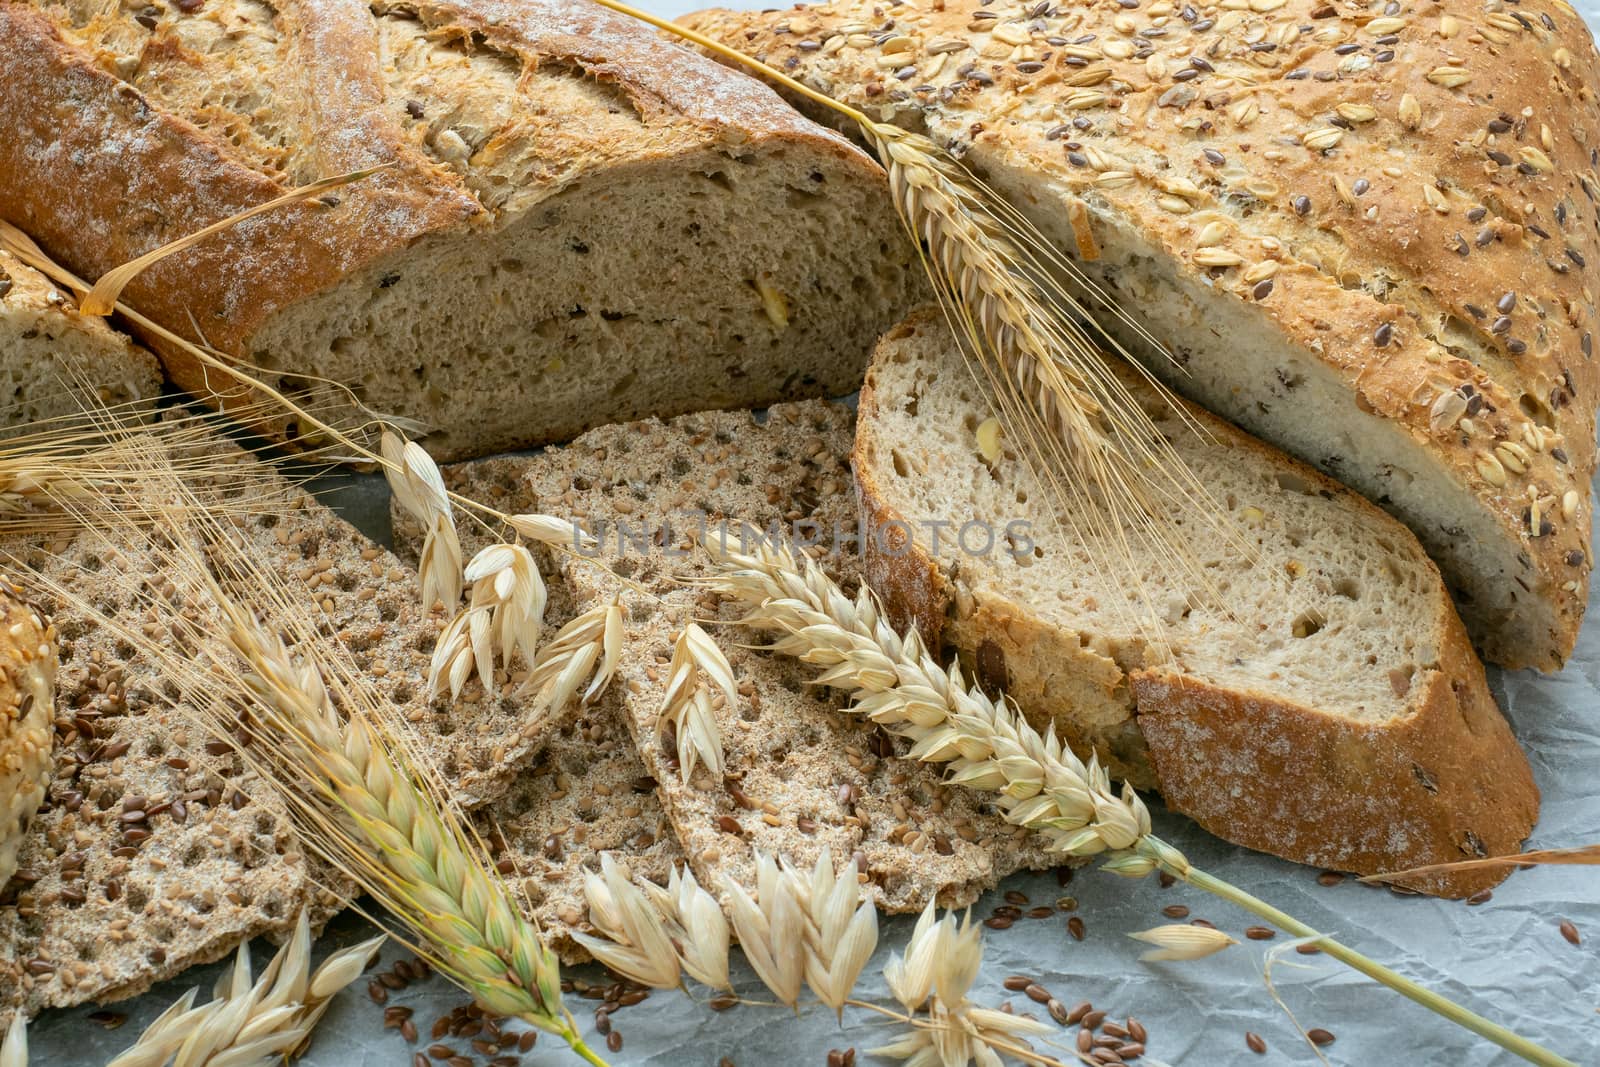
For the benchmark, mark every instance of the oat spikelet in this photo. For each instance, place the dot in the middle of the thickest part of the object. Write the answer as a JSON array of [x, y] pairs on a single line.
[[252, 1024], [841, 932], [771, 927], [696, 925], [14, 1048], [896, 683], [937, 969], [593, 638], [417, 485], [687, 703], [504, 613], [988, 745], [1181, 941], [635, 942]]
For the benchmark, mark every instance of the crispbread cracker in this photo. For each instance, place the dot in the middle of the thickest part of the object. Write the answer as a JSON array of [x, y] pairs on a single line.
[[787, 744], [587, 793]]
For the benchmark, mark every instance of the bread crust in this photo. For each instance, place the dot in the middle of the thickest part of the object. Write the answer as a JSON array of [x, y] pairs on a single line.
[[1434, 201], [1447, 783], [99, 174]]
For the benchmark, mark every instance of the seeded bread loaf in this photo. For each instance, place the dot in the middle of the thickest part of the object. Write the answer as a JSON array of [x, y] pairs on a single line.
[[1363, 234], [799, 774], [577, 222], [50, 356], [1326, 707], [27, 714]]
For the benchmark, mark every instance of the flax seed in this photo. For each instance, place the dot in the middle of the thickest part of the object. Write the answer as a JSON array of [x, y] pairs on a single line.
[[1253, 1041], [1260, 933], [1570, 932], [1175, 911]]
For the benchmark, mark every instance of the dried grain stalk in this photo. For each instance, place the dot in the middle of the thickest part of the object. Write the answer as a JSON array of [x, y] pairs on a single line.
[[14, 1046], [1581, 856], [252, 1023], [688, 704], [256, 668], [1019, 307], [988, 745]]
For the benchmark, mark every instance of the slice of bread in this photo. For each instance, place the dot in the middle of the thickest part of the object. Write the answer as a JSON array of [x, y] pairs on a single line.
[[50, 354], [1336, 717], [800, 774]]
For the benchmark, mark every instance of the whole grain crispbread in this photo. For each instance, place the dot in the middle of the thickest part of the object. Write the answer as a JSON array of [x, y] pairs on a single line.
[[97, 914], [587, 793], [106, 902], [801, 773]]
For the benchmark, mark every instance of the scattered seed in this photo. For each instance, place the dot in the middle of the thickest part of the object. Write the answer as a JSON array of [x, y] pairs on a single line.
[[1260, 933], [1570, 932], [1330, 878], [1254, 1043], [1037, 993], [1482, 896], [1075, 927], [1175, 911], [614, 1041], [1307, 950], [1058, 1012], [1093, 1020], [1017, 983], [1319, 1036]]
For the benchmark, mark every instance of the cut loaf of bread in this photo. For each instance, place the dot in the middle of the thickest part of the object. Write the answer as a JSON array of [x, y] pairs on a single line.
[[1327, 708], [55, 362], [1364, 236], [577, 222]]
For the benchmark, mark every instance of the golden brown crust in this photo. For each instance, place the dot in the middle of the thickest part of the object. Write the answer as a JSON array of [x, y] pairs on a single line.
[[1446, 783], [1407, 172], [99, 172]]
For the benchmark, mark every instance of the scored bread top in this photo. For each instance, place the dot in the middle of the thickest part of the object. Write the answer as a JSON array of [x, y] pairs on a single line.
[[216, 108], [1320, 702], [1408, 196]]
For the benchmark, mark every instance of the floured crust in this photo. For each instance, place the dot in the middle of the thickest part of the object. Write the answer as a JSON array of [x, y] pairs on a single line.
[[100, 172], [1377, 185], [1445, 783]]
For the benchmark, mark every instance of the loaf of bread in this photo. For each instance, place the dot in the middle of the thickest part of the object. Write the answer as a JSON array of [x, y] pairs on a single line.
[[55, 362], [1324, 705], [27, 721], [1363, 234], [576, 223]]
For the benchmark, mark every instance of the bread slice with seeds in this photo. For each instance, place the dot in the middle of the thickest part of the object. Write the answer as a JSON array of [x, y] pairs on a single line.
[[51, 356], [800, 773], [1365, 237], [1326, 707], [576, 223]]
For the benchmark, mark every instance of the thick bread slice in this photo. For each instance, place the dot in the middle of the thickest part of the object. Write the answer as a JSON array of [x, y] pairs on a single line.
[[1364, 236], [1333, 713], [578, 222], [50, 354], [800, 774]]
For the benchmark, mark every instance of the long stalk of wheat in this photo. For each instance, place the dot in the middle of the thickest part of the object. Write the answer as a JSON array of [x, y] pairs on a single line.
[[269, 680], [1017, 305], [988, 745]]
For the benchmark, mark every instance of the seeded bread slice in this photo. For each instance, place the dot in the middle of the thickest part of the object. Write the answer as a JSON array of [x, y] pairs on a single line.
[[49, 354], [105, 903], [1366, 237], [800, 773], [1336, 717]]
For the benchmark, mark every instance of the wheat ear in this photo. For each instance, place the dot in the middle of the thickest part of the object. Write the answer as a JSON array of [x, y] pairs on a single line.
[[252, 1023], [988, 745], [1114, 476], [312, 726]]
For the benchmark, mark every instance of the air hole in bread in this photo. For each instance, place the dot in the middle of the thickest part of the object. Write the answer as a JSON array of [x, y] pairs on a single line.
[[1348, 588], [1306, 624]]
